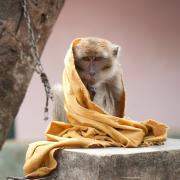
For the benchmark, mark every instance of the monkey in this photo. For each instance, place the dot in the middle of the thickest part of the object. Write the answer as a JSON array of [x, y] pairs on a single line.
[[96, 62]]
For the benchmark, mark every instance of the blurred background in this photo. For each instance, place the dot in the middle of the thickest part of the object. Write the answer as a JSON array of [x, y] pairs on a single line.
[[148, 32]]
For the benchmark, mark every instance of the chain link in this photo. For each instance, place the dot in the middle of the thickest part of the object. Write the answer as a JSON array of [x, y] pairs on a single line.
[[38, 67], [34, 50]]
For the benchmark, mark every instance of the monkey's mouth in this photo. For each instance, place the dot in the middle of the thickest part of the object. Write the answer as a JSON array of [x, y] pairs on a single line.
[[91, 81]]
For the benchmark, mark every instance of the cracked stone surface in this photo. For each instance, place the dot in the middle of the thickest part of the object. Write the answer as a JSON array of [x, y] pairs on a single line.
[[145, 163]]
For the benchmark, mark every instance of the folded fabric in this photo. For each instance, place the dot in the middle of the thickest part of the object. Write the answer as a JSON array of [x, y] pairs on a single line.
[[89, 126]]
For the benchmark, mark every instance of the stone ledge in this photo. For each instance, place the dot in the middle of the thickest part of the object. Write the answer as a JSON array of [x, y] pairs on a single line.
[[145, 163]]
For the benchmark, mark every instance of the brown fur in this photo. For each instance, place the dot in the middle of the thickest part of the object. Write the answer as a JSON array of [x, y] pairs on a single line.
[[108, 85]]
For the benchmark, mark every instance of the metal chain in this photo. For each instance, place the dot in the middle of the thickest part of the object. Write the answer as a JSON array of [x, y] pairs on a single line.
[[38, 66]]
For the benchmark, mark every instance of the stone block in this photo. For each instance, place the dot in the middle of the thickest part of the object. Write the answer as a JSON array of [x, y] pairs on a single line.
[[144, 163]]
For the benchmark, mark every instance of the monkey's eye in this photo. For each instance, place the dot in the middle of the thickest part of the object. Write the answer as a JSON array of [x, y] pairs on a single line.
[[86, 59], [79, 68], [98, 58], [106, 67], [101, 59]]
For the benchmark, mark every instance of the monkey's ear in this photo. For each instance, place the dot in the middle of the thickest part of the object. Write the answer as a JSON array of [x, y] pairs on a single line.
[[116, 50], [76, 45], [75, 49]]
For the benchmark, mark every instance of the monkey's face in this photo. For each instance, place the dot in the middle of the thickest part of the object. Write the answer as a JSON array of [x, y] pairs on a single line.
[[95, 60], [93, 70]]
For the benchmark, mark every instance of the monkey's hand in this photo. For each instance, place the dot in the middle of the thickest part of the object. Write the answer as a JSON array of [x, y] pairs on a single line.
[[92, 91]]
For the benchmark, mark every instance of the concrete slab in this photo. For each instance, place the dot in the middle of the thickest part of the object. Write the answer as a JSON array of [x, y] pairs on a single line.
[[169, 145], [145, 163]]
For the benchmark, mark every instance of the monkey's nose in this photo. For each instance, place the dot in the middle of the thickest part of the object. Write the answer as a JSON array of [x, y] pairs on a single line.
[[92, 73], [92, 69]]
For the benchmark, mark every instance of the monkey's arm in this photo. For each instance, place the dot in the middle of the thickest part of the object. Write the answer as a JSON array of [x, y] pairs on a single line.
[[120, 106], [118, 91], [58, 103]]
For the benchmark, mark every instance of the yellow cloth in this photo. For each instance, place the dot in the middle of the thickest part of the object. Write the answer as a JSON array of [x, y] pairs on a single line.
[[89, 126]]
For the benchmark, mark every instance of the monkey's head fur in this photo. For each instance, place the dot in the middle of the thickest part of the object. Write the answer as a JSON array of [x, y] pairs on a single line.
[[96, 60]]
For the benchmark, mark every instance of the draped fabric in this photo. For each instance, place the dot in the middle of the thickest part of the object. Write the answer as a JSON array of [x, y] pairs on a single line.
[[88, 126]]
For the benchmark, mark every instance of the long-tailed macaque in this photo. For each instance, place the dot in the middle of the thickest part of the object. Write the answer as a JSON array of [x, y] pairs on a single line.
[[96, 61]]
